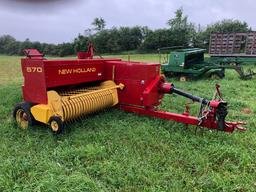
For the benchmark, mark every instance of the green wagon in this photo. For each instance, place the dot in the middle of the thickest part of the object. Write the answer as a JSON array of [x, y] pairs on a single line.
[[234, 48], [191, 63]]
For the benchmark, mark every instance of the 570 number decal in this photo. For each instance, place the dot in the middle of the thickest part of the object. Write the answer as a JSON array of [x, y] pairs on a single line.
[[34, 69]]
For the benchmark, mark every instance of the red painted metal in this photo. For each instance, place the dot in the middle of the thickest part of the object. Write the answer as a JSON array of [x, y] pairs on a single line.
[[87, 55], [143, 92], [183, 118], [136, 76], [166, 87], [33, 53], [41, 75]]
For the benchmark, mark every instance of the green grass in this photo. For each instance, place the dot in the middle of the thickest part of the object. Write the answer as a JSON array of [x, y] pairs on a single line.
[[118, 151]]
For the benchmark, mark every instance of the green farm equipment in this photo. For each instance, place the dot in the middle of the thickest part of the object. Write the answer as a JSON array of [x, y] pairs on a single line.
[[191, 63], [233, 48]]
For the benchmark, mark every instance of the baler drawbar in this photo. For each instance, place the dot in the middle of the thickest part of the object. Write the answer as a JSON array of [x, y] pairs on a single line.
[[56, 92]]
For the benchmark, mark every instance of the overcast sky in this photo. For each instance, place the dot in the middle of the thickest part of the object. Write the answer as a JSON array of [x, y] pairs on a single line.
[[57, 21]]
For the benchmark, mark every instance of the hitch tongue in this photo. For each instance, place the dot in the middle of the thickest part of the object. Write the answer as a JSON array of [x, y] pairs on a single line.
[[212, 113], [231, 126]]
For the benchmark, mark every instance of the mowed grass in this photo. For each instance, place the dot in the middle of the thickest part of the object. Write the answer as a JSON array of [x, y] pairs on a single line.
[[118, 151]]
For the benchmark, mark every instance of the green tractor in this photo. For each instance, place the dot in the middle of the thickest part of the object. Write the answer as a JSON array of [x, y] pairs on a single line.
[[191, 63]]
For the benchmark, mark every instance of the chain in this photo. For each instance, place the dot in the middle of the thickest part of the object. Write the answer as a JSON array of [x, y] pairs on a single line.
[[202, 116]]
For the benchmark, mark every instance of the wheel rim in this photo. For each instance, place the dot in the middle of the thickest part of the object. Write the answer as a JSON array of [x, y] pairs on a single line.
[[22, 118], [183, 78], [54, 126]]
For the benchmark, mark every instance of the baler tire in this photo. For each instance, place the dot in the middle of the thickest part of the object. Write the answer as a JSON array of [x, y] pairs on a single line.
[[23, 116], [56, 125]]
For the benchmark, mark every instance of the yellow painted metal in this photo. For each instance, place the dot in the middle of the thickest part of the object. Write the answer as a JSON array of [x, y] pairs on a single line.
[[54, 125], [70, 105], [55, 103], [22, 119], [89, 102], [42, 113]]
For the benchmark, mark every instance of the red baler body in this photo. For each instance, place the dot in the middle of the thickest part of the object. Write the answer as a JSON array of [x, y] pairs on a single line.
[[41, 75]]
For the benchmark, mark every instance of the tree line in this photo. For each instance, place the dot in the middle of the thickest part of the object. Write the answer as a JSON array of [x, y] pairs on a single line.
[[178, 32]]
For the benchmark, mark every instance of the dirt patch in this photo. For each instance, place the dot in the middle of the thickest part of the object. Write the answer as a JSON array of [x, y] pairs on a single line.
[[247, 111]]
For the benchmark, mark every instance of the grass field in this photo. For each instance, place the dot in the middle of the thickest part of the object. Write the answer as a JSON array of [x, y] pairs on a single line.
[[118, 151]]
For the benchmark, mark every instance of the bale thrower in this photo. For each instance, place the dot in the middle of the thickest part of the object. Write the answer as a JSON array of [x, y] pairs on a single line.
[[56, 92]]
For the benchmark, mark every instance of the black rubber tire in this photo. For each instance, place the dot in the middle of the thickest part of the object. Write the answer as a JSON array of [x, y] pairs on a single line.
[[60, 125], [25, 106], [168, 74], [220, 74]]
